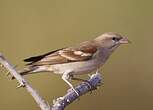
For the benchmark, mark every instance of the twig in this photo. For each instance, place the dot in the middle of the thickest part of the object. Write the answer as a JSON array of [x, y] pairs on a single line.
[[60, 103], [23, 83]]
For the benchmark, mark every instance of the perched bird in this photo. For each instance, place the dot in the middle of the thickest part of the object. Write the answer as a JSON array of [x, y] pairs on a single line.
[[80, 59]]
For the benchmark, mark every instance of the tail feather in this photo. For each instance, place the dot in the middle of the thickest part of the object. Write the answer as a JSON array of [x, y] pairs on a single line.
[[33, 69], [25, 71]]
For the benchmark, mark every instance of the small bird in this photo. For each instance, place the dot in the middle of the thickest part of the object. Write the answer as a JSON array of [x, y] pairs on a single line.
[[77, 60]]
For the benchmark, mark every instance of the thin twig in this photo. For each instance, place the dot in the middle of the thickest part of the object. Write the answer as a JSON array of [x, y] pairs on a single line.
[[60, 103], [23, 83]]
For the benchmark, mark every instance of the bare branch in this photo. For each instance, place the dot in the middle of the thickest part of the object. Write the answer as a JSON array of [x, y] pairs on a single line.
[[60, 103], [39, 100], [95, 80]]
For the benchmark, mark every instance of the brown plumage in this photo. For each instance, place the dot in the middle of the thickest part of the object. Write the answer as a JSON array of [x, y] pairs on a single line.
[[83, 58], [65, 55]]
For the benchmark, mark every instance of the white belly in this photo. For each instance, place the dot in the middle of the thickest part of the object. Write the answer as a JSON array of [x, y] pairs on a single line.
[[76, 67]]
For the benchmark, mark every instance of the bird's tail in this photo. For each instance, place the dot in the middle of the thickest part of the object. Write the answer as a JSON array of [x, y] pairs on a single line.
[[27, 70]]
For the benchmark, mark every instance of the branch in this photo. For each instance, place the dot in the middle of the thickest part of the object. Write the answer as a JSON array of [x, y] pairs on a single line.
[[23, 83], [60, 103], [95, 80]]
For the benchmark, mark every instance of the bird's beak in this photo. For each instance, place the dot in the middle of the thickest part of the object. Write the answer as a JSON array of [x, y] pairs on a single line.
[[124, 40]]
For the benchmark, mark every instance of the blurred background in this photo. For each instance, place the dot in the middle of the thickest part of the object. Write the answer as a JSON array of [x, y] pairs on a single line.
[[33, 27]]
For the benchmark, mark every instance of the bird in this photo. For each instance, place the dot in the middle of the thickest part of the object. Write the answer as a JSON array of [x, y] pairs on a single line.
[[76, 60]]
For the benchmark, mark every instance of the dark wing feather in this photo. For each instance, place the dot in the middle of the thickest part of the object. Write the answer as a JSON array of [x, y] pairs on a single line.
[[37, 58], [66, 55]]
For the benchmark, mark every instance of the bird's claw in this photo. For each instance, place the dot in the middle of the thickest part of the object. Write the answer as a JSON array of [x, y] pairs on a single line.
[[73, 90], [76, 92]]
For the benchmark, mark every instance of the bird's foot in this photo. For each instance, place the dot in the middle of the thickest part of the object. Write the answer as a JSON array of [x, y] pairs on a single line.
[[76, 92]]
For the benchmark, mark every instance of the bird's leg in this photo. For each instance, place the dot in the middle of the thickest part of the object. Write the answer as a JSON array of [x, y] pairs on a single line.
[[66, 76]]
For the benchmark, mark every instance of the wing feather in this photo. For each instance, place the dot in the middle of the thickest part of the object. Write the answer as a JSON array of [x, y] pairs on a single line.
[[66, 55]]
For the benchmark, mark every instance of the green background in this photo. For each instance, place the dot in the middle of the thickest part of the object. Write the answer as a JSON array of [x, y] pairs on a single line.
[[33, 27]]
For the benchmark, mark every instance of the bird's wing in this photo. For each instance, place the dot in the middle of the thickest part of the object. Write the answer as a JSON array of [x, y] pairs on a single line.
[[66, 55]]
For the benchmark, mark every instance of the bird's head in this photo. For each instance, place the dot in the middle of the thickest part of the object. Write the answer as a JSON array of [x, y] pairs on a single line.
[[111, 40]]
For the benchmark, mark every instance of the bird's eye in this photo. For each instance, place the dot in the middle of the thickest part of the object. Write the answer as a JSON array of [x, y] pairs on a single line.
[[114, 38]]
